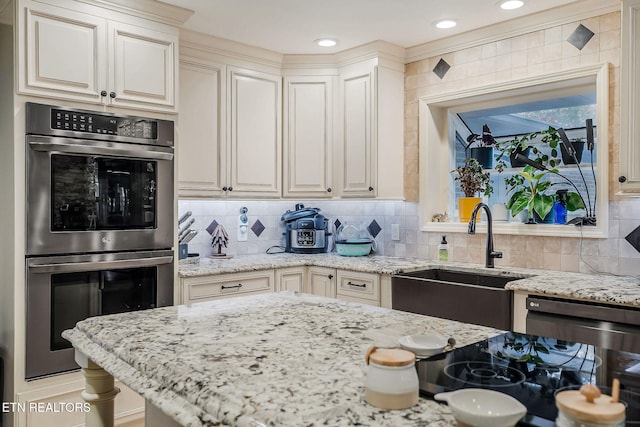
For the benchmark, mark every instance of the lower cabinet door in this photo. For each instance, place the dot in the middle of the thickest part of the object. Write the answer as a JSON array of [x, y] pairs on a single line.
[[358, 287], [322, 281], [290, 279]]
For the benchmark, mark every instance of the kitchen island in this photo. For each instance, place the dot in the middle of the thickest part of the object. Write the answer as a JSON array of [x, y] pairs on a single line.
[[284, 358]]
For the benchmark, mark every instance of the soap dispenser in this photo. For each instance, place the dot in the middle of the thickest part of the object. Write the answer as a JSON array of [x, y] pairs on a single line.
[[443, 250]]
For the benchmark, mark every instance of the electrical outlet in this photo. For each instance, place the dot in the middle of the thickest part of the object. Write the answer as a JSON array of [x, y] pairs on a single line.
[[395, 231]]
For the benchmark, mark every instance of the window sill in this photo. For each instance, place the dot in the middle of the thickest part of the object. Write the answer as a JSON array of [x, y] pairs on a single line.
[[517, 228]]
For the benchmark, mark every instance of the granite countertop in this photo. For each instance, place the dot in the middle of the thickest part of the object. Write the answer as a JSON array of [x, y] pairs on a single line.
[[623, 290], [302, 363]]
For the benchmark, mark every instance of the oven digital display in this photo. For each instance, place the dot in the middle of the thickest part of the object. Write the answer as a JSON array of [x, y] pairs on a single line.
[[105, 125], [306, 237]]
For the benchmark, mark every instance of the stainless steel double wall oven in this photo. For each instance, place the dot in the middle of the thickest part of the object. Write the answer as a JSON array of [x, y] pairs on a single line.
[[100, 223]]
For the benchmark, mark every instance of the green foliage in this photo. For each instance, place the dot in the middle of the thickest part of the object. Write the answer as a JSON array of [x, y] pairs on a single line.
[[547, 137], [472, 178]]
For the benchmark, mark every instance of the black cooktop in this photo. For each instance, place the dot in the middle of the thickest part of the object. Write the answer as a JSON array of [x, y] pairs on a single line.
[[532, 369]]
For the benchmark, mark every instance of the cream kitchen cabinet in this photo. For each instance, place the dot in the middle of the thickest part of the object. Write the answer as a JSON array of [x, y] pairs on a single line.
[[68, 54], [290, 279], [205, 288], [308, 136], [358, 287], [629, 173], [321, 281]]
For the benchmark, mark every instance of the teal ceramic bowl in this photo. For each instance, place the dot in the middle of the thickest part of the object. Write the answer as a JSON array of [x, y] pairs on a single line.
[[353, 247]]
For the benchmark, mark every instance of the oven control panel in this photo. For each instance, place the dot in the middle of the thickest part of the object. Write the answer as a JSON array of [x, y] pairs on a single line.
[[107, 125]]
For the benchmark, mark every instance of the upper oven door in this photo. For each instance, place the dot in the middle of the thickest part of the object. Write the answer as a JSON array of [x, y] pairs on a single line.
[[95, 196]]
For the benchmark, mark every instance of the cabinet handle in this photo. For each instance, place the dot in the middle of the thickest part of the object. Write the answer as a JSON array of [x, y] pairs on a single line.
[[329, 190], [112, 94], [370, 188], [622, 178], [330, 276], [103, 93], [238, 286], [359, 285], [225, 188]]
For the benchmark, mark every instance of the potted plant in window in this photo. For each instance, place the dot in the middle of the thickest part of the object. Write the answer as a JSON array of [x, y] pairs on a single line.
[[529, 191], [483, 152], [472, 181], [526, 144]]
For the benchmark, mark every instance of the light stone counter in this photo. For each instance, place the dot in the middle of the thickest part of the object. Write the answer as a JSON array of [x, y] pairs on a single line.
[[624, 290], [279, 359]]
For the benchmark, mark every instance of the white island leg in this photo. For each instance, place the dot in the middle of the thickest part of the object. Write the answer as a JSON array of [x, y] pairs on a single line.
[[99, 393]]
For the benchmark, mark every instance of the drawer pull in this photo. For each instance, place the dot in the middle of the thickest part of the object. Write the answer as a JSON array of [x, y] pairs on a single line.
[[359, 285], [238, 286]]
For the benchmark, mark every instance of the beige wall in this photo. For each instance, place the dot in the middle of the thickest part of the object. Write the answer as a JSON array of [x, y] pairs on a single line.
[[518, 57]]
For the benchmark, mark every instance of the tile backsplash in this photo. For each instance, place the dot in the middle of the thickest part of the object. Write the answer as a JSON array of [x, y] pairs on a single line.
[[614, 255]]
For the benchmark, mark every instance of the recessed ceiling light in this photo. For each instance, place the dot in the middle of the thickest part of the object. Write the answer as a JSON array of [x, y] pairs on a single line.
[[446, 23], [511, 4], [326, 42]]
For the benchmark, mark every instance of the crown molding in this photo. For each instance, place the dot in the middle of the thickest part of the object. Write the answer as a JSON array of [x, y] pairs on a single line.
[[578, 10], [150, 9]]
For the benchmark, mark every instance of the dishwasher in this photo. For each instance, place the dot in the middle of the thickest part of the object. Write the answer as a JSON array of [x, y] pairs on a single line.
[[464, 296], [604, 325]]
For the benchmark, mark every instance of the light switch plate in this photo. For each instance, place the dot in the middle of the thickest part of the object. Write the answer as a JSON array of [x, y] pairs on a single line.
[[243, 227], [395, 231]]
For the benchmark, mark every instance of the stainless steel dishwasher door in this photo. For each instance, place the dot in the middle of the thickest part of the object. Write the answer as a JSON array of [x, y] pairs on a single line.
[[606, 326]]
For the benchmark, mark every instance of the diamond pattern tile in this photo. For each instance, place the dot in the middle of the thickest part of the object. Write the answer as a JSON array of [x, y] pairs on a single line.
[[441, 68], [257, 228], [337, 223], [374, 228], [212, 227], [634, 238], [580, 36]]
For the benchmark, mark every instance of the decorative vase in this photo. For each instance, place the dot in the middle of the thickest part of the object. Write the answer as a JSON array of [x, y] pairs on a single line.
[[465, 208], [484, 156], [515, 163], [568, 159]]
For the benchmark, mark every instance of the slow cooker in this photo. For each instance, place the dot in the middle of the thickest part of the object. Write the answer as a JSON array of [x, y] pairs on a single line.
[[306, 230]]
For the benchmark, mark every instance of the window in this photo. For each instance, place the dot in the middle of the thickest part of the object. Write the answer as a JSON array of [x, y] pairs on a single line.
[[561, 100]]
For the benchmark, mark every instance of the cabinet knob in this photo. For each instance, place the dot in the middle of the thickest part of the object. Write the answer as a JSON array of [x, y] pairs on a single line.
[[370, 188], [103, 93], [329, 190], [330, 276], [622, 179], [225, 188], [112, 94], [230, 188]]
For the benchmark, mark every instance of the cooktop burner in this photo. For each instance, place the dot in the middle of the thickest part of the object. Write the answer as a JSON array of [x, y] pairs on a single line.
[[532, 369]]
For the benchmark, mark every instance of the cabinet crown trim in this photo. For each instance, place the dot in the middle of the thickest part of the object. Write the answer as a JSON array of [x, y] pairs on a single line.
[[149, 9]]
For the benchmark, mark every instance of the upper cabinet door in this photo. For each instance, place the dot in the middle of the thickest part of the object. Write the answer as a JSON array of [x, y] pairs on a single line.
[[358, 151], [308, 136], [629, 174], [61, 54], [201, 132], [143, 66], [255, 130]]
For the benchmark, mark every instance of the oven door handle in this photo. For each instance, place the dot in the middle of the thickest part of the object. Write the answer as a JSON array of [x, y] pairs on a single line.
[[74, 267], [63, 145]]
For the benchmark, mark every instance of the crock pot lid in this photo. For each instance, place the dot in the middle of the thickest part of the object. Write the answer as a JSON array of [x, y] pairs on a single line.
[[354, 241], [301, 213]]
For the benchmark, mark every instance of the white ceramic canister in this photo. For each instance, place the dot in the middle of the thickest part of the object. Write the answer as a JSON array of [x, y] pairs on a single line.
[[588, 408], [392, 380]]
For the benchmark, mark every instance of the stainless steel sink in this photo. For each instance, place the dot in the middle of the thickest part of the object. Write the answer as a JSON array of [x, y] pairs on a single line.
[[464, 277], [466, 296]]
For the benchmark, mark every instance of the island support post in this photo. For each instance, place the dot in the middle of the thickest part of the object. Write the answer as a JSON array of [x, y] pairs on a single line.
[[99, 392]]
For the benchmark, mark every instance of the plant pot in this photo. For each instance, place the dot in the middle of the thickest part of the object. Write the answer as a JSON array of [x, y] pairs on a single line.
[[465, 208], [484, 156], [549, 219], [515, 163], [567, 159]]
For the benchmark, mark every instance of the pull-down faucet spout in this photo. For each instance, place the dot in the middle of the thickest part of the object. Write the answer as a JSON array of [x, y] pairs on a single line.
[[490, 254]]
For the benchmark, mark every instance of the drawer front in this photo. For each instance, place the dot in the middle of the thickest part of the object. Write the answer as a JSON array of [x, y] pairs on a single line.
[[359, 285], [228, 285]]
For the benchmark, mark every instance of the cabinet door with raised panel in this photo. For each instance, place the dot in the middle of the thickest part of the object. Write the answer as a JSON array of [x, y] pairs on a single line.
[[62, 53], [357, 135], [358, 287], [255, 132], [322, 281], [201, 143], [308, 136], [290, 279], [142, 66]]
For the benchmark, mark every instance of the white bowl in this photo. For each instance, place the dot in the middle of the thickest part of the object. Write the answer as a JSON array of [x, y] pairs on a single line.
[[424, 345], [483, 408]]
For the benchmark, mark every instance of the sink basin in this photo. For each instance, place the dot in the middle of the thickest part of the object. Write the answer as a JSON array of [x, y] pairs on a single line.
[[463, 277]]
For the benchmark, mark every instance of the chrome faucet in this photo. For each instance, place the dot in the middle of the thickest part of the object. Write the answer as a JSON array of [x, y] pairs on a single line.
[[491, 254]]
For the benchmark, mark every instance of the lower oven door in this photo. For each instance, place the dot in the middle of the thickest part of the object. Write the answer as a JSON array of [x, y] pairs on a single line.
[[64, 290]]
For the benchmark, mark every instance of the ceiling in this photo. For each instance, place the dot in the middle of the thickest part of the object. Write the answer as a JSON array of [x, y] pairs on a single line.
[[291, 26]]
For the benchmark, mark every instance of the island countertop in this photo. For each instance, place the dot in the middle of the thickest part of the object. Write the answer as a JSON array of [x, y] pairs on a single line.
[[602, 288], [283, 359]]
